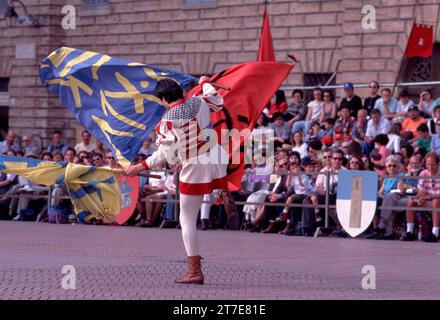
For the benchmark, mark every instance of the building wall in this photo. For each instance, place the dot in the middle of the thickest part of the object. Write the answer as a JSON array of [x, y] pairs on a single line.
[[205, 39]]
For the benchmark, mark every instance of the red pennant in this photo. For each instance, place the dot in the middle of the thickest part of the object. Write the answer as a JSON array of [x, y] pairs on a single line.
[[266, 51], [420, 42]]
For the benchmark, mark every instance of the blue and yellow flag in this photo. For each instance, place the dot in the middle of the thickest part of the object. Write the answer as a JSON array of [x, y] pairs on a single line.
[[94, 191], [112, 98]]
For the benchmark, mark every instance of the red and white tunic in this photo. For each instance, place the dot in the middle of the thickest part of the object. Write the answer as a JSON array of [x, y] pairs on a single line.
[[186, 130]]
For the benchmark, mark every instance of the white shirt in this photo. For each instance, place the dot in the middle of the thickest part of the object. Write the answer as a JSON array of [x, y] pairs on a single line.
[[383, 127], [393, 143], [317, 107]]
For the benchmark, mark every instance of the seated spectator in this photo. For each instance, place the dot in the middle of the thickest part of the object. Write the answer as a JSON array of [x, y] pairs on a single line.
[[255, 212], [345, 122], [387, 105], [111, 161], [100, 148], [46, 156], [426, 103], [98, 160], [355, 163], [27, 146], [403, 106], [394, 138], [152, 191], [298, 144], [428, 195], [351, 101], [376, 125], [57, 156], [315, 132], [56, 144], [423, 143], [280, 104], [328, 128], [371, 100], [359, 130], [7, 181], [321, 186], [314, 111], [314, 149], [435, 140], [296, 111], [86, 144], [378, 159], [299, 187], [411, 124], [9, 143], [85, 158], [281, 129], [330, 108], [432, 122]]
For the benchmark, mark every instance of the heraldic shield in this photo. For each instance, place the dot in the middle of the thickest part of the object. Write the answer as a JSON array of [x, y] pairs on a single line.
[[356, 200]]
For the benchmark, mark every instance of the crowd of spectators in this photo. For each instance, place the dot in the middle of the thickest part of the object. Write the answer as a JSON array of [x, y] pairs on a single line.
[[313, 141]]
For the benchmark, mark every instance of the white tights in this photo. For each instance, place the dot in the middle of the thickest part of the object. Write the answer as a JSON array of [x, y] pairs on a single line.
[[189, 210]]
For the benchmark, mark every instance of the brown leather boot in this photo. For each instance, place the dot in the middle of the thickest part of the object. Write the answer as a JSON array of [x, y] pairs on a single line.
[[289, 227], [194, 274], [272, 228]]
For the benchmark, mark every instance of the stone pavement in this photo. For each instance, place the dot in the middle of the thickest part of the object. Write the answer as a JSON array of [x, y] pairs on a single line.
[[136, 263]]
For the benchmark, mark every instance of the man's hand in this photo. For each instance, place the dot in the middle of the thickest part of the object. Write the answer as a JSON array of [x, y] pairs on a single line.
[[133, 170]]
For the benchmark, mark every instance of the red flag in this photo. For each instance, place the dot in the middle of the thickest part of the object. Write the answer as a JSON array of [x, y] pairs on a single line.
[[252, 85], [266, 51], [420, 42]]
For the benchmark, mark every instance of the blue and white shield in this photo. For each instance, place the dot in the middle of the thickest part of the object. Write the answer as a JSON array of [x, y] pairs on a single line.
[[356, 200]]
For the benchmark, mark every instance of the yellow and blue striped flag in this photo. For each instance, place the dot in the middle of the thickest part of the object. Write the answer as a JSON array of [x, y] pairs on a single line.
[[111, 97], [94, 191]]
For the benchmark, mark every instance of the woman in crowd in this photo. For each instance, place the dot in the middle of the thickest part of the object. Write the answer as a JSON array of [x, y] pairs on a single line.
[[280, 104], [426, 103], [298, 144], [393, 144], [329, 109]]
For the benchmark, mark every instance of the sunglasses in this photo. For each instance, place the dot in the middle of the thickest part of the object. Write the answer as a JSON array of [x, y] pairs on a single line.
[[391, 166], [337, 158], [326, 157], [110, 157]]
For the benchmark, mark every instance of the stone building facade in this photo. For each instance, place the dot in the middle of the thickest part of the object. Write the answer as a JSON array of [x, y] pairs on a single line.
[[202, 37]]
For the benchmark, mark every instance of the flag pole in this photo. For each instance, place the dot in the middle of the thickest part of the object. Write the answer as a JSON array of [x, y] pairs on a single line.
[[401, 60]]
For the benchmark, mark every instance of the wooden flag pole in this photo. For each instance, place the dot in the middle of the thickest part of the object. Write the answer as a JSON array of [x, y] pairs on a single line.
[[140, 174]]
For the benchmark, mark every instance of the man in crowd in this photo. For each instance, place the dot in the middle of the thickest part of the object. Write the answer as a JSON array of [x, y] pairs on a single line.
[[86, 144], [387, 105], [351, 101], [56, 144], [9, 143], [412, 123], [371, 100]]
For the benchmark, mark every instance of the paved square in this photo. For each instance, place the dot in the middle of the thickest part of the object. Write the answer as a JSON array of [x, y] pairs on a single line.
[[135, 263]]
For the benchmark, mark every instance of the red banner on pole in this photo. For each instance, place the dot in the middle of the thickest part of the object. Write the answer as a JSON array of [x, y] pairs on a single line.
[[420, 42]]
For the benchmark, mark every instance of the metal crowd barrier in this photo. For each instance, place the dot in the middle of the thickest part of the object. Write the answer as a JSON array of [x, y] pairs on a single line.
[[326, 206]]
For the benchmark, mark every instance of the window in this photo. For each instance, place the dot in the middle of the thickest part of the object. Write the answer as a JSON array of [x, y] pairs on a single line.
[[316, 80], [96, 4], [199, 4]]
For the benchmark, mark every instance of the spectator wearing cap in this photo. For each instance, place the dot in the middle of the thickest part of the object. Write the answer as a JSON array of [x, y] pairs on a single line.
[[280, 104], [371, 100], [329, 110], [387, 105], [412, 122], [56, 144], [426, 103], [314, 110], [351, 101], [403, 106], [296, 111]]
